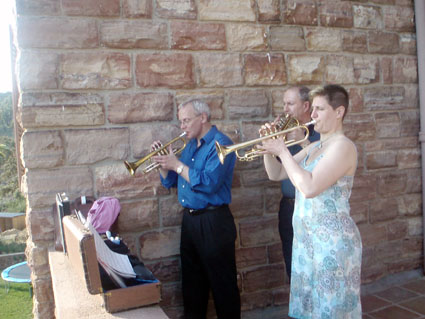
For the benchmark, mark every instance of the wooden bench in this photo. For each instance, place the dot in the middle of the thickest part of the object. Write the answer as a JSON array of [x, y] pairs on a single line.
[[73, 300]]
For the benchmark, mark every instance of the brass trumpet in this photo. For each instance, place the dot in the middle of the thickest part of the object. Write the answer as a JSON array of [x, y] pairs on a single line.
[[132, 166], [223, 151]]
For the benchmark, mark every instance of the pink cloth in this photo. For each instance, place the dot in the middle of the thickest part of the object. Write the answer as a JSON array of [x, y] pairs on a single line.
[[103, 213]]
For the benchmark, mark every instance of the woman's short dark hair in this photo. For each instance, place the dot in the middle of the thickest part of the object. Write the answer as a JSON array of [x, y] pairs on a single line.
[[335, 94]]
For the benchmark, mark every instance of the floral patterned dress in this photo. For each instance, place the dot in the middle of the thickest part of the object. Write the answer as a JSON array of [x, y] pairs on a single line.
[[326, 254]]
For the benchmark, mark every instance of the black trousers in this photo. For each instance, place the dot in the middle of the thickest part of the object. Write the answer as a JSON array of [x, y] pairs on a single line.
[[207, 252], [286, 211]]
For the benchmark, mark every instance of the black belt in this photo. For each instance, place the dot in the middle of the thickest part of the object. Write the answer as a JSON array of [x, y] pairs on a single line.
[[194, 212]]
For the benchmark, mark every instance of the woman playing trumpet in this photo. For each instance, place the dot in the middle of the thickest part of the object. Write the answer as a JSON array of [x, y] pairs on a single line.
[[327, 248]]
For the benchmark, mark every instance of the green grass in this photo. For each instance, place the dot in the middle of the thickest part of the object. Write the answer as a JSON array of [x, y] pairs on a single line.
[[17, 303]]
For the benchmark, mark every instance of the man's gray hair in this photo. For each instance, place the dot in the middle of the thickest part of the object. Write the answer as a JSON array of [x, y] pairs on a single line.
[[198, 105]]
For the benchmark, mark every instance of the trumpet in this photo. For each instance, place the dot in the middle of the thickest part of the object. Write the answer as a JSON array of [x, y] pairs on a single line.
[[223, 151], [132, 166]]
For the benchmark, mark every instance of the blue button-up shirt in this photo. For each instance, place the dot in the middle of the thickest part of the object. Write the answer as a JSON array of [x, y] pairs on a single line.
[[210, 181], [288, 190]]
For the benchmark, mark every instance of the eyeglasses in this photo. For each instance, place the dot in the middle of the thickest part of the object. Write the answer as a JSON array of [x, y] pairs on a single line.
[[188, 120]]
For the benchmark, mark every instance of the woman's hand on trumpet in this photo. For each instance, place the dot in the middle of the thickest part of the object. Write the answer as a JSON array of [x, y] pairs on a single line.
[[272, 146]]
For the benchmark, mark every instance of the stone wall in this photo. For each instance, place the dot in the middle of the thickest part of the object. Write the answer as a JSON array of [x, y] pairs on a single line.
[[99, 80]]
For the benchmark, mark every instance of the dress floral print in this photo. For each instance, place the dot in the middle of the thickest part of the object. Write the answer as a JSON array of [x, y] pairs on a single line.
[[326, 256]]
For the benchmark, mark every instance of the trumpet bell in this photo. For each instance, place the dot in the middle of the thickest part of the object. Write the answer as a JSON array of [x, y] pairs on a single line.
[[131, 167]]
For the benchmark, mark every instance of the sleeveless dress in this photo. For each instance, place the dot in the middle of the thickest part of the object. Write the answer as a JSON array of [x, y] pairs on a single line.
[[326, 254]]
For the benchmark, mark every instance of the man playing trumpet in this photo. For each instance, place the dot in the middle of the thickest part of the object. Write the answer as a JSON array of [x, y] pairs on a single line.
[[296, 105], [208, 232]]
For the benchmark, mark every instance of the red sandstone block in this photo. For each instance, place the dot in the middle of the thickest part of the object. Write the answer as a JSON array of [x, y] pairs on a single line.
[[43, 290], [354, 41], [275, 253], [281, 296], [335, 13], [255, 300], [323, 39], [392, 183], [137, 8], [405, 70], [268, 11], [219, 69], [397, 229], [258, 232], [387, 70], [262, 69], [388, 125], [168, 70], [383, 42], [414, 182], [369, 17], [384, 98], [61, 109], [160, 244], [59, 33], [408, 44], [38, 70], [171, 211], [360, 127], [264, 277], [42, 149], [138, 216], [246, 202], [287, 38], [40, 186], [372, 235], [398, 18], [366, 69], [410, 123], [247, 104], [230, 10], [131, 34], [95, 70], [340, 69], [166, 270], [300, 12], [178, 9], [106, 8], [359, 211], [383, 210], [140, 107], [306, 69], [197, 36], [86, 146], [246, 257], [356, 100], [171, 297], [364, 187], [40, 224], [409, 159], [272, 197], [37, 7], [141, 137]]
